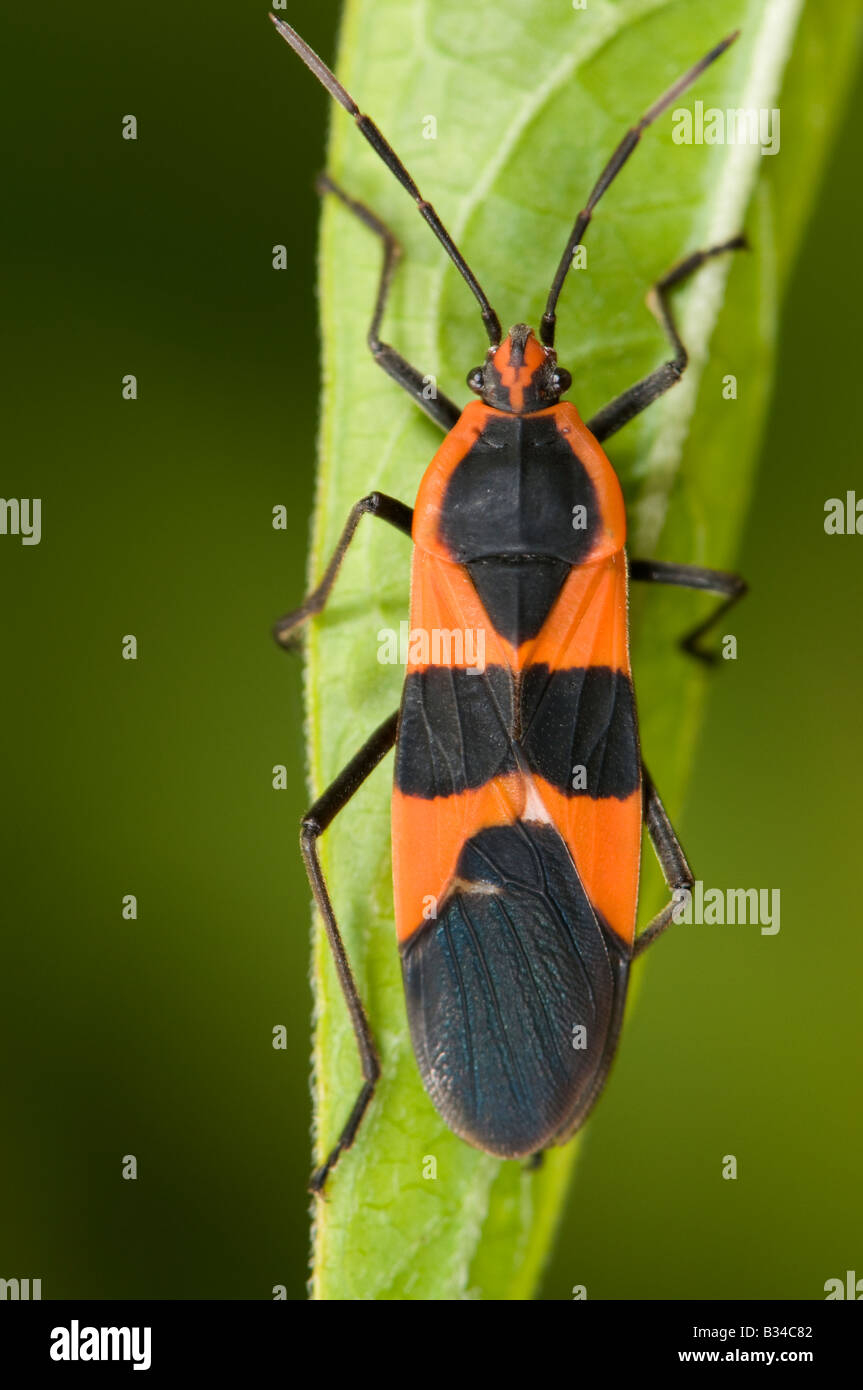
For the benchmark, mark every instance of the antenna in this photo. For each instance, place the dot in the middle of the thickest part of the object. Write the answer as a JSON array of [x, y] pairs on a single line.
[[609, 174], [385, 151]]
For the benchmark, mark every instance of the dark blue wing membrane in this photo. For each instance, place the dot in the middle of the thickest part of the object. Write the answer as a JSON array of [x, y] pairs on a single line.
[[516, 960]]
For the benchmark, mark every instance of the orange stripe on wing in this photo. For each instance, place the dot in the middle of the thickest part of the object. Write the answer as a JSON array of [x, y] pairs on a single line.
[[604, 839], [429, 836], [443, 600], [588, 624]]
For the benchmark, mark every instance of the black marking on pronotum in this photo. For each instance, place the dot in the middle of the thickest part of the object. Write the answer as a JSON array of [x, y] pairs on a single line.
[[514, 493]]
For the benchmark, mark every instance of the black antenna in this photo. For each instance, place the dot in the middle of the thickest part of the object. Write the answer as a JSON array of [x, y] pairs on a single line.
[[386, 152], [610, 172]]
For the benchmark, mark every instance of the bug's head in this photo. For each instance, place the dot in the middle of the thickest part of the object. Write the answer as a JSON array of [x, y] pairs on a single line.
[[520, 375]]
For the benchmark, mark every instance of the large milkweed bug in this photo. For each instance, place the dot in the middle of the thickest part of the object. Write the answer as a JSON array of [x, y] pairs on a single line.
[[520, 793]]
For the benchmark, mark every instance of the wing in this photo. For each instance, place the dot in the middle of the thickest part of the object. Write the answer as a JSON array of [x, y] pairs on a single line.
[[579, 733], [514, 982], [455, 767], [514, 994], [548, 730]]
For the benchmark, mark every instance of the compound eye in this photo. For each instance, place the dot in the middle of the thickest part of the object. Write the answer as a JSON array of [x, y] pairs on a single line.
[[475, 379], [562, 379]]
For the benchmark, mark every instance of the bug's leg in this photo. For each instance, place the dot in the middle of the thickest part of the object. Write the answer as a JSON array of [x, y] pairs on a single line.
[[314, 823], [376, 504], [731, 587], [630, 403], [439, 407], [672, 860]]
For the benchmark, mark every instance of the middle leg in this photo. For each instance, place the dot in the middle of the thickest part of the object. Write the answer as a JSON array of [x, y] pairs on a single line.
[[389, 509], [731, 587]]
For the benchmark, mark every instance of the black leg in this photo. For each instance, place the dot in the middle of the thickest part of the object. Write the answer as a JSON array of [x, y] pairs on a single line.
[[672, 860], [315, 822], [439, 408], [625, 407], [731, 586], [376, 504]]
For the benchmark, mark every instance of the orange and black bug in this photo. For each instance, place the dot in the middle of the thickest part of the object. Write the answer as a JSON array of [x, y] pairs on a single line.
[[520, 793]]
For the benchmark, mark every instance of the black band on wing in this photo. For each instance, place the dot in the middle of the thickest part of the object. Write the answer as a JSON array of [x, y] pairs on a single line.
[[578, 730], [583, 718], [454, 730]]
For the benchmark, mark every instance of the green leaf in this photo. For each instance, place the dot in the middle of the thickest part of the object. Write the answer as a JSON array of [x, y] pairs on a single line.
[[530, 97]]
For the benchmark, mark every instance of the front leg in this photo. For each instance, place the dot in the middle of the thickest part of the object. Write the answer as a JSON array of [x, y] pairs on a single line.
[[438, 407]]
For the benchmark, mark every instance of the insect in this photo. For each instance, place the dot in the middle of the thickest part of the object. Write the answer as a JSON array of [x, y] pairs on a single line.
[[519, 793]]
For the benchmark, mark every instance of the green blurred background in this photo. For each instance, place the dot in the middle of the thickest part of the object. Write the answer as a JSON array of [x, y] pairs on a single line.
[[154, 1037]]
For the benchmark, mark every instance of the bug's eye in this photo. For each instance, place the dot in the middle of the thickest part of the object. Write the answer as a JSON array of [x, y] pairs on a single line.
[[562, 379], [475, 379]]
